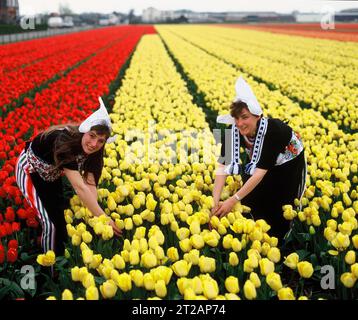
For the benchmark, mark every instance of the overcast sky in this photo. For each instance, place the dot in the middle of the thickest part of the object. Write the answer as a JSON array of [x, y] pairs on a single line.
[[107, 6]]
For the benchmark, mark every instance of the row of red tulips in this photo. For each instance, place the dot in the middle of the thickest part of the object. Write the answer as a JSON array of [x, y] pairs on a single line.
[[70, 99], [61, 57], [20, 54]]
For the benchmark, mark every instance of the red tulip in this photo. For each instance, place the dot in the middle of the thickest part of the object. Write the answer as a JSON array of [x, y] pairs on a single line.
[[13, 244], [9, 214], [15, 226], [22, 213], [12, 255], [32, 223], [2, 254], [3, 232]]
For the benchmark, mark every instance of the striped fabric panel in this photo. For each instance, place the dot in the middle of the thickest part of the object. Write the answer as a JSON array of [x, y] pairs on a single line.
[[24, 182]]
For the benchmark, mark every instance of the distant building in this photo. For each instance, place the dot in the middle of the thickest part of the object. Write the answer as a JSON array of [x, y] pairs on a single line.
[[152, 15], [260, 16], [308, 17], [9, 11], [348, 15]]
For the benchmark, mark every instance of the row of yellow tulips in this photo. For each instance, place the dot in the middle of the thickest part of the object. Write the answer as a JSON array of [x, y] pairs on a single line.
[[331, 154], [325, 95], [334, 60]]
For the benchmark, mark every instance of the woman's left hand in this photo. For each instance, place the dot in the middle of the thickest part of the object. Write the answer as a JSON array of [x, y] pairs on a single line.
[[225, 207]]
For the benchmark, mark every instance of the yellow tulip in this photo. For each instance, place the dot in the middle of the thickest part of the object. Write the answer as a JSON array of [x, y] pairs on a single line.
[[118, 262], [266, 266], [207, 265], [134, 257], [231, 296], [232, 284], [274, 281], [181, 268], [87, 256], [195, 227], [285, 294], [111, 204], [149, 283], [137, 277], [274, 255], [354, 269], [88, 280], [124, 282], [292, 260], [108, 289], [92, 293], [233, 259], [149, 260], [183, 233], [210, 289], [348, 279], [249, 290], [160, 288], [48, 259], [236, 245], [197, 241], [139, 233], [86, 237], [67, 295], [350, 257], [355, 241], [76, 240], [192, 256], [305, 269], [173, 254], [185, 245], [255, 279]]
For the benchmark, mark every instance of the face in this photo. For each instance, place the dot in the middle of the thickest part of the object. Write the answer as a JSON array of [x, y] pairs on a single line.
[[247, 123], [92, 142]]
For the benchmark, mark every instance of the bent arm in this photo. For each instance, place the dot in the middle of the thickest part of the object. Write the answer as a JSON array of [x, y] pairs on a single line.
[[91, 184], [84, 192], [251, 183]]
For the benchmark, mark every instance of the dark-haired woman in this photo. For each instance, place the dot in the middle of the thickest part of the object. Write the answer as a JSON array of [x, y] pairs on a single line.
[[273, 166], [71, 151]]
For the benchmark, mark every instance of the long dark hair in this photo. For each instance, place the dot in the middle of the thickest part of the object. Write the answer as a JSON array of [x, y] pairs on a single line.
[[68, 146]]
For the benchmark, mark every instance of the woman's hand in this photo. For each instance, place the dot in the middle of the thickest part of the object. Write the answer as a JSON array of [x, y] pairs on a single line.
[[116, 230], [215, 208], [213, 211], [225, 207]]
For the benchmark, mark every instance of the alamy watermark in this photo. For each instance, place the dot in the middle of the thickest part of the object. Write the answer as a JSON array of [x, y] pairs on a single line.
[[28, 23], [328, 278], [28, 281]]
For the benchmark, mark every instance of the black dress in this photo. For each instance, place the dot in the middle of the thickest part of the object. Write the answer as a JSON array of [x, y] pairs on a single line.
[[49, 187], [281, 184]]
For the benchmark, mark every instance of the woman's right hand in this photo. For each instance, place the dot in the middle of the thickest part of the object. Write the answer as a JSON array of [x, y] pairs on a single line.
[[213, 211], [215, 208], [116, 230]]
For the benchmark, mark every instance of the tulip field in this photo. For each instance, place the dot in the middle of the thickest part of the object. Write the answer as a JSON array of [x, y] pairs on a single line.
[[164, 86]]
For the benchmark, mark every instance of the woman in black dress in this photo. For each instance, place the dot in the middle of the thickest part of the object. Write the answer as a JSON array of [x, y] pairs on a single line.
[[72, 151], [273, 166]]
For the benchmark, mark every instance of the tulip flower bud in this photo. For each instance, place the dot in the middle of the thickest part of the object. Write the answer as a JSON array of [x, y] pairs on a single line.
[[92, 293], [67, 295], [249, 290], [232, 284], [285, 294], [274, 281], [305, 269], [348, 279]]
